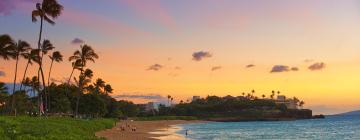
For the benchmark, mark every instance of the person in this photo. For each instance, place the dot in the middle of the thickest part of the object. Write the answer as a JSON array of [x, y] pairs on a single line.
[[186, 132]]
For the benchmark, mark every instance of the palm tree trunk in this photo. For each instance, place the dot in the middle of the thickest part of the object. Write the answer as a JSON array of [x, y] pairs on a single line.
[[13, 92], [48, 104], [40, 64], [72, 72], [78, 97], [27, 65]]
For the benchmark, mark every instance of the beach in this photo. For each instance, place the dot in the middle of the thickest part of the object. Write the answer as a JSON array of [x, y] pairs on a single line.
[[145, 130]]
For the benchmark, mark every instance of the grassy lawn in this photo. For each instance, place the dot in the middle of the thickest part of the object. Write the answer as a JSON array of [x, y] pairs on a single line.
[[51, 128]]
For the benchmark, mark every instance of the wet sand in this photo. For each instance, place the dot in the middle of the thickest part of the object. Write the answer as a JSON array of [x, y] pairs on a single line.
[[145, 130]]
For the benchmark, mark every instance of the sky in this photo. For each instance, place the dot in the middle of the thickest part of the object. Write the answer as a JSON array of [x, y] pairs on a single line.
[[149, 49]]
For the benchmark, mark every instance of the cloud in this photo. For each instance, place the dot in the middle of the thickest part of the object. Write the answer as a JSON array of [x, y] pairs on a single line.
[[152, 10], [308, 60], [155, 67], [250, 66], [279, 68], [2, 73], [294, 69], [317, 66], [77, 41], [177, 68], [198, 56], [216, 68], [7, 6]]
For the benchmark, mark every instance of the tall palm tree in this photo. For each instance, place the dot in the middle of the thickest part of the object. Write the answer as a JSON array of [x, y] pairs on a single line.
[[32, 56], [301, 104], [81, 57], [263, 96], [6, 47], [48, 10], [57, 57], [20, 48], [83, 81]]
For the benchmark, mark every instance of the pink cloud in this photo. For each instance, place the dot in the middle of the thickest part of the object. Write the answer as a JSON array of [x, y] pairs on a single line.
[[152, 10], [7, 6], [99, 23]]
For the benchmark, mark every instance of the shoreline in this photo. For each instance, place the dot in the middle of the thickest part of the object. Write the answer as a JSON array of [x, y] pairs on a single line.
[[145, 130]]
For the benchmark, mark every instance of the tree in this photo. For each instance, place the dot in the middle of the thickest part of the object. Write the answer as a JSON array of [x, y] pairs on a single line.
[[32, 56], [263, 96], [301, 104], [48, 10], [6, 47], [80, 59], [84, 80], [108, 89], [169, 97], [57, 57], [20, 48], [99, 85]]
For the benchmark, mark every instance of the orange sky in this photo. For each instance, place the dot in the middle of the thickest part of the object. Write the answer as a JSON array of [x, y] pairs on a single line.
[[130, 37]]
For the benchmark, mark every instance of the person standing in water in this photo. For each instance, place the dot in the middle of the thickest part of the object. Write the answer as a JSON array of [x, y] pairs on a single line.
[[186, 132]]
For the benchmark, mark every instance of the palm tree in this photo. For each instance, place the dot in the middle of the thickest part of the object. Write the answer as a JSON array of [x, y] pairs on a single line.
[[6, 47], [84, 80], [48, 10], [108, 89], [263, 96], [33, 56], [20, 48], [99, 85], [301, 104], [57, 57], [169, 97], [79, 59]]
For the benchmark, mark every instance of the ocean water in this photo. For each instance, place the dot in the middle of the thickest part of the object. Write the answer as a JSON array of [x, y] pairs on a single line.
[[330, 128]]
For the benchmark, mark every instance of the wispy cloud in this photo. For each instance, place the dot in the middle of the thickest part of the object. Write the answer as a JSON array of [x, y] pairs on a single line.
[[152, 10], [198, 56], [153, 97], [155, 67], [308, 60], [279, 68], [77, 41], [317, 66], [250, 66], [216, 68], [7, 6], [92, 21]]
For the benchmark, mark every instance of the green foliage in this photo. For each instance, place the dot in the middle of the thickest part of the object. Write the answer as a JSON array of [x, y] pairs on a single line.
[[51, 128], [155, 118]]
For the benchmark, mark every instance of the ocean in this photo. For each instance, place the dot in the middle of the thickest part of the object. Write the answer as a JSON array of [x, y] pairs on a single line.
[[330, 128]]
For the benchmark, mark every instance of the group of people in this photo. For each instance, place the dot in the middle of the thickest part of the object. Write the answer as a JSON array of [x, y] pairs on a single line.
[[123, 128]]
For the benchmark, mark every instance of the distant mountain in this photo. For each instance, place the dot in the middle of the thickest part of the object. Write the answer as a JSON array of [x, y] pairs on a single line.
[[351, 113]]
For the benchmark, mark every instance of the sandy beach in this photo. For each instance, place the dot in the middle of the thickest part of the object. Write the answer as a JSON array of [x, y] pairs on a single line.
[[145, 130]]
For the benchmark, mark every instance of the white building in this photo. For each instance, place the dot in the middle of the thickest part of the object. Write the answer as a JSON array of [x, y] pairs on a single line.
[[150, 106], [290, 103]]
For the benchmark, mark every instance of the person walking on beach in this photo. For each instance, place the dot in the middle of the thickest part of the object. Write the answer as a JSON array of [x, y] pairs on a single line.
[[186, 132]]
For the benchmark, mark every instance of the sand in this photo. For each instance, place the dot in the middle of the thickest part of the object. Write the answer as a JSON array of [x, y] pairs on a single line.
[[145, 130]]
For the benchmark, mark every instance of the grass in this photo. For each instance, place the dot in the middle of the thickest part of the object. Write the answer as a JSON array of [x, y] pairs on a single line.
[[51, 128], [155, 118]]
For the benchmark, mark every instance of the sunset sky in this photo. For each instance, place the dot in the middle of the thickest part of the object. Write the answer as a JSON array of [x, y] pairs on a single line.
[[304, 48]]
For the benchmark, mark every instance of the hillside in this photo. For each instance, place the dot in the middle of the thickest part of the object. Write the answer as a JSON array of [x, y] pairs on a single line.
[[351, 113]]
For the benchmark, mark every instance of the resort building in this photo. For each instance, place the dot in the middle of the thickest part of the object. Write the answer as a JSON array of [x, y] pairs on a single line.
[[150, 106], [290, 103], [195, 98]]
